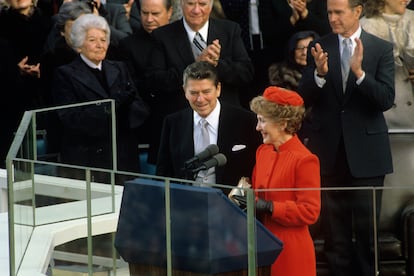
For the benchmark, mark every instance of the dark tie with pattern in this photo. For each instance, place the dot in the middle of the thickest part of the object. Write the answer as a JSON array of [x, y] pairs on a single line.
[[198, 45]]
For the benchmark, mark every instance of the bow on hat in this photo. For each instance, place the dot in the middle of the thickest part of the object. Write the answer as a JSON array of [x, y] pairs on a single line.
[[282, 96]]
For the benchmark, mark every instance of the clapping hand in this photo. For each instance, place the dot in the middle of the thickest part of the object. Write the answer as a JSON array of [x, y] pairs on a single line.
[[211, 53], [356, 59], [28, 69], [299, 6], [321, 59]]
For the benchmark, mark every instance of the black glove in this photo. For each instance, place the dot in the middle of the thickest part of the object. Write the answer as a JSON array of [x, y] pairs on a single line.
[[264, 205], [261, 205], [241, 200]]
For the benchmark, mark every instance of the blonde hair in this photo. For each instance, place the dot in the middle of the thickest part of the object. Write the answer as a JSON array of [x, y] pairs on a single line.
[[292, 115]]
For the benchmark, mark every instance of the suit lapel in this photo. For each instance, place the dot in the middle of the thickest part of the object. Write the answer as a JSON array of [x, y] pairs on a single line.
[[213, 32], [86, 77], [221, 138], [111, 73], [188, 129], [180, 39]]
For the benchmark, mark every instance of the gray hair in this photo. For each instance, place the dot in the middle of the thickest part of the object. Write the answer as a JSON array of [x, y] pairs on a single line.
[[70, 11], [211, 2], [83, 24]]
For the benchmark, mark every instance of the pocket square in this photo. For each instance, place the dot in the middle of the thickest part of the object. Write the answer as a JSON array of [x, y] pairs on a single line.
[[238, 147]]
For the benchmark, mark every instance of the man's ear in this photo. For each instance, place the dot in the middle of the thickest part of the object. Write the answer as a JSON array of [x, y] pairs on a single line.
[[218, 87]]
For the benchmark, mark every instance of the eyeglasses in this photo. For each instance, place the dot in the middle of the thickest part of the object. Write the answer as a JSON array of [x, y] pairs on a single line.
[[301, 48]]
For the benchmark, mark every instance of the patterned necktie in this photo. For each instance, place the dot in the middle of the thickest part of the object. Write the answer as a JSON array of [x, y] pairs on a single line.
[[345, 60], [205, 138], [198, 45], [205, 141]]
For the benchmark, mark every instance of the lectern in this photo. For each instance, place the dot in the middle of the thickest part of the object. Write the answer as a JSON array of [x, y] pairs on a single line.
[[208, 232]]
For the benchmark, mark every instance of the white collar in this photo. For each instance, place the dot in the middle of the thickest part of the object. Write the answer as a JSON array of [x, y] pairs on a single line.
[[212, 118], [90, 63], [357, 34], [203, 31]]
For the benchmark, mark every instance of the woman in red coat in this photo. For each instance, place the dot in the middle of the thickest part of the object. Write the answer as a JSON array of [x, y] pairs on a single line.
[[289, 173]]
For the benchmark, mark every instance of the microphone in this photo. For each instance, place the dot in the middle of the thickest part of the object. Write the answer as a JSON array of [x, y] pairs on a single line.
[[217, 160], [209, 151]]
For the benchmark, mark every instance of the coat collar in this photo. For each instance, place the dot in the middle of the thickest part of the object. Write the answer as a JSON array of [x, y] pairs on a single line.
[[86, 77]]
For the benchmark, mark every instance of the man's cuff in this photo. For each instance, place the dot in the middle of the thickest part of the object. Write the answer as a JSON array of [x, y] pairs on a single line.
[[358, 82], [320, 81]]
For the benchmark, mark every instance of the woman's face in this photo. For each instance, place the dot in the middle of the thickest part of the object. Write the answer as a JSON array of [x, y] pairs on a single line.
[[272, 132], [95, 45], [301, 50], [395, 6]]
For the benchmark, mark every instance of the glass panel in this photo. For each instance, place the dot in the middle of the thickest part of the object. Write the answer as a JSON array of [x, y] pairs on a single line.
[[44, 191]]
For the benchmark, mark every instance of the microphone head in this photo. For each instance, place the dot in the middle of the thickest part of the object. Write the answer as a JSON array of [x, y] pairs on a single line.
[[221, 159], [209, 151], [217, 160]]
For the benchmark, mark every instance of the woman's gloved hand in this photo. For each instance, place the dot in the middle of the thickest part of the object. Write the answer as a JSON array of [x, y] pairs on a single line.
[[261, 205]]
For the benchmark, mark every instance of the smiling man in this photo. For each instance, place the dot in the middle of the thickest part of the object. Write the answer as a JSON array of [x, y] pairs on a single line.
[[223, 48], [231, 128]]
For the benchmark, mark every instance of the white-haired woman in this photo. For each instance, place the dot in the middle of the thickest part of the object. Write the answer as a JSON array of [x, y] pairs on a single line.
[[86, 130]]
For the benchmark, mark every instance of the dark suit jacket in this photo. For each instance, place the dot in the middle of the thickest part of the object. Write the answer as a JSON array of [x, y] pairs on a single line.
[[87, 130], [135, 51], [236, 127], [357, 114]]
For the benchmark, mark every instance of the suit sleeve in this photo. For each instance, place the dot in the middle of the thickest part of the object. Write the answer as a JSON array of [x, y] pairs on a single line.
[[378, 85], [161, 75], [164, 161]]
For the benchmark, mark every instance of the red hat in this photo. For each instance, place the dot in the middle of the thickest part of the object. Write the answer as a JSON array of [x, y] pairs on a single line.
[[282, 96]]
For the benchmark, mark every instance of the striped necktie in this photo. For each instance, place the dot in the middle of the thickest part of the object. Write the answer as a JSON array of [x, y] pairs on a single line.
[[198, 45]]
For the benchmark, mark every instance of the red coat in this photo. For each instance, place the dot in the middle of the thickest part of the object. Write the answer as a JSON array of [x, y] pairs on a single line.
[[293, 166]]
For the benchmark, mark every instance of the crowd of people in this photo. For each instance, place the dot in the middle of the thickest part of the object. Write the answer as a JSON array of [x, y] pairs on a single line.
[[36, 38], [300, 96]]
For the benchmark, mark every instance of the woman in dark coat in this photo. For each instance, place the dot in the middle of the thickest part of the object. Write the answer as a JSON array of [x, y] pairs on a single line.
[[87, 137]]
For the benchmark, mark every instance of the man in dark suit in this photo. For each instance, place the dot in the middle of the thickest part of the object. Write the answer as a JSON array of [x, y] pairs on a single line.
[[348, 133], [173, 52], [231, 128], [135, 49]]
